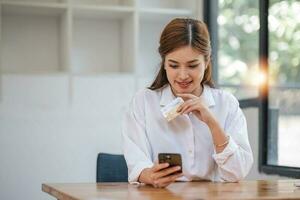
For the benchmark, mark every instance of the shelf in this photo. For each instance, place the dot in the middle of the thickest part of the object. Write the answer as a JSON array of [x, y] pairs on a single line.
[[102, 12], [35, 1], [156, 14], [167, 4], [32, 38], [149, 58], [118, 3], [35, 73], [102, 45], [110, 75], [85, 38], [101, 74], [28, 8]]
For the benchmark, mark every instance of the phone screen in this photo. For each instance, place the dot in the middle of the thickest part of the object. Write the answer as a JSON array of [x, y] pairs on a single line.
[[174, 159]]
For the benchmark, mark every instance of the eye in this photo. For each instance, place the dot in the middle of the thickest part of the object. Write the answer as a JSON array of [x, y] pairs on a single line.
[[173, 66], [194, 66]]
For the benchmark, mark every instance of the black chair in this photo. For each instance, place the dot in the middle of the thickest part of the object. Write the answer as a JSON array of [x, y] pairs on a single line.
[[111, 168]]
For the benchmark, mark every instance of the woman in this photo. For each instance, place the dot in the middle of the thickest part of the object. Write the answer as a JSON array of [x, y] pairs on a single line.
[[210, 133]]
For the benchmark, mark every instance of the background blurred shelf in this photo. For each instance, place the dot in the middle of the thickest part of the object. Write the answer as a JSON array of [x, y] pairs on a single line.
[[86, 37]]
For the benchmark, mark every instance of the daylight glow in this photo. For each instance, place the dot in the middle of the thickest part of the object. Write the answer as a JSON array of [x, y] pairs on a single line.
[[258, 79]]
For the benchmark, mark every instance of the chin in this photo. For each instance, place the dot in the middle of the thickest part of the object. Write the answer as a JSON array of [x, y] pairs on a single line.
[[186, 91]]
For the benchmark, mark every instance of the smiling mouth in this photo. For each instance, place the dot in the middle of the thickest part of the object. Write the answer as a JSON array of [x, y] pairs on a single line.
[[184, 84]]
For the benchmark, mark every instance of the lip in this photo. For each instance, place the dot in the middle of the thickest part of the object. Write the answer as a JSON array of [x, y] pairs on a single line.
[[184, 84]]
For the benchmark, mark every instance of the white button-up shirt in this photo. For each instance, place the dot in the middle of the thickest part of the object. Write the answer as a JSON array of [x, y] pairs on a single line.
[[146, 133]]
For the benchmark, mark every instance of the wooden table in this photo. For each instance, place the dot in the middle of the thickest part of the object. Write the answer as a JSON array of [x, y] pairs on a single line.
[[278, 189]]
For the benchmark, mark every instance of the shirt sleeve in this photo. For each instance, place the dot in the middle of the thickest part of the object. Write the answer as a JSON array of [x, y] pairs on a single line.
[[236, 160], [136, 148]]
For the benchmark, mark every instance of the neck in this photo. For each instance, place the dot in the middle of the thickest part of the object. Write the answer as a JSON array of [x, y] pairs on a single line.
[[198, 91]]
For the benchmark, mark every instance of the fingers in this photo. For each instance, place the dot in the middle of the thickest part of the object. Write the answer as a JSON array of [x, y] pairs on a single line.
[[189, 109], [169, 179], [165, 176], [165, 181], [158, 167], [181, 109], [166, 172]]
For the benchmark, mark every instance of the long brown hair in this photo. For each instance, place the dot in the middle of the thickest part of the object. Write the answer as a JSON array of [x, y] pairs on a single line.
[[182, 32]]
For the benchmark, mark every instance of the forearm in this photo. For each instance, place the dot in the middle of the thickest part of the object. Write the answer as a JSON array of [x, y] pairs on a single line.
[[218, 135]]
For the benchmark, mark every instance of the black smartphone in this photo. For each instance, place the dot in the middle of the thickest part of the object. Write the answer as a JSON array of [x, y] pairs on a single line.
[[174, 159]]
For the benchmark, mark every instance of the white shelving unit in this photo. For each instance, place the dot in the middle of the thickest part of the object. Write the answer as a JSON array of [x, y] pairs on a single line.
[[86, 37], [33, 37], [101, 38]]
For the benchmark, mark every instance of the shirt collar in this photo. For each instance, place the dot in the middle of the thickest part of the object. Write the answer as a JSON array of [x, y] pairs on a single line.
[[207, 96], [167, 96]]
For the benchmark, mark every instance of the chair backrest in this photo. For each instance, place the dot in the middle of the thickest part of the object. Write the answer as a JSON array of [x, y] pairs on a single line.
[[111, 168]]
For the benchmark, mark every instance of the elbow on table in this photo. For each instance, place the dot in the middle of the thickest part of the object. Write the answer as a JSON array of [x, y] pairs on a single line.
[[245, 167], [239, 173]]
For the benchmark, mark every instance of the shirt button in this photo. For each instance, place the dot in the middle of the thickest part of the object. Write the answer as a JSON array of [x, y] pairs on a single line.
[[190, 151]]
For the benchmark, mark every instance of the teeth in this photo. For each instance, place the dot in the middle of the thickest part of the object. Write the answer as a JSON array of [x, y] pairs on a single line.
[[184, 83]]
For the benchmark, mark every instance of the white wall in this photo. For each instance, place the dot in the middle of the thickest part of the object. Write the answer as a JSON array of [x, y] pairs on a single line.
[[44, 138], [252, 123]]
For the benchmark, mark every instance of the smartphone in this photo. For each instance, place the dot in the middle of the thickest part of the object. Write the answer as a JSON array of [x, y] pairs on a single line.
[[174, 159]]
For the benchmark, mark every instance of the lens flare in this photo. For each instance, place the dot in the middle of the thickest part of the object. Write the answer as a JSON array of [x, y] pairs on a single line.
[[259, 78]]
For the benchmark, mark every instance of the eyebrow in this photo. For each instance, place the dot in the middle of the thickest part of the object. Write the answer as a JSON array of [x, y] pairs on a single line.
[[191, 61]]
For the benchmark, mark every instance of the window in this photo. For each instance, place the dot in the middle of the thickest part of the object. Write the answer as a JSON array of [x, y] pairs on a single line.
[[251, 37], [283, 138]]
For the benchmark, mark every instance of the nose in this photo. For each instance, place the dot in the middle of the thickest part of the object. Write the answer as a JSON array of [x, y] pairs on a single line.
[[183, 74]]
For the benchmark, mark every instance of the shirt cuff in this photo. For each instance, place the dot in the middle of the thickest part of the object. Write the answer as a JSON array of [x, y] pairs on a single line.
[[136, 171], [223, 156]]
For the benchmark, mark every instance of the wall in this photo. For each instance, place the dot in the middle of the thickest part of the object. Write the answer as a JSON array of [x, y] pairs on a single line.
[[45, 138], [252, 123]]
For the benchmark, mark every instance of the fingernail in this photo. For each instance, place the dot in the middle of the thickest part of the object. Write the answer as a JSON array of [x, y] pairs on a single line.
[[166, 164], [178, 167]]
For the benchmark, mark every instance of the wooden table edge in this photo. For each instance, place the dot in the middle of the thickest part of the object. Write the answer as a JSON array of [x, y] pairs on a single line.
[[47, 188]]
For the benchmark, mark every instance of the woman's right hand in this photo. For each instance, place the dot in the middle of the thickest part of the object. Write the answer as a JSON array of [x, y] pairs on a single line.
[[160, 175]]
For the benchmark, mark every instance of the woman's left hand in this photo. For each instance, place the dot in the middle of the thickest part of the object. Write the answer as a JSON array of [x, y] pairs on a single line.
[[196, 105]]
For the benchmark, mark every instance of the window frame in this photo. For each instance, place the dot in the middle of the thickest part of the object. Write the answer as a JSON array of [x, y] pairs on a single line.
[[210, 14]]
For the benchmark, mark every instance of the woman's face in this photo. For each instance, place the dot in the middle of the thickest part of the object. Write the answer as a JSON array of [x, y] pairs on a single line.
[[185, 70]]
